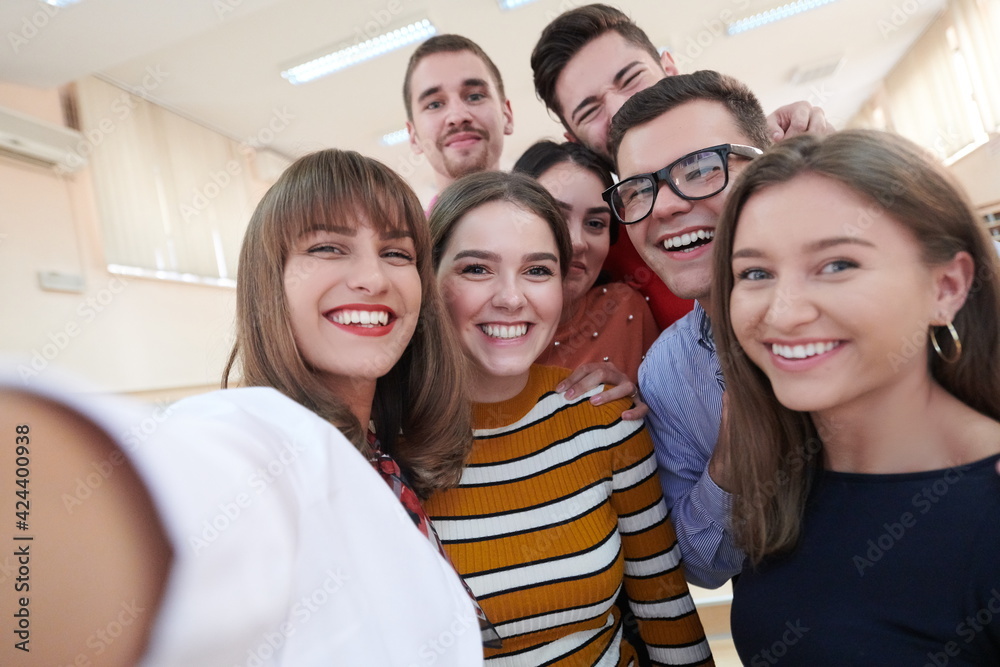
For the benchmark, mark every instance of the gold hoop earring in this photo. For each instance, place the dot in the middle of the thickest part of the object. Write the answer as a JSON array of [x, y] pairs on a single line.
[[955, 339]]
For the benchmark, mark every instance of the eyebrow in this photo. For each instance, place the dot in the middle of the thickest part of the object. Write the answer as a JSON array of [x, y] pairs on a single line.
[[815, 246], [593, 98], [468, 83], [494, 257], [353, 231], [477, 254], [475, 83]]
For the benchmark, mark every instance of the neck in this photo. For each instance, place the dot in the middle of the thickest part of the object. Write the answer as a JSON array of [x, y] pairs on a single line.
[[360, 399], [910, 428], [493, 389], [706, 304], [444, 180]]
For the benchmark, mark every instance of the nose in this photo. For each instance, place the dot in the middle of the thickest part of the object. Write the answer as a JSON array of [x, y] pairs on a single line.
[[458, 112], [576, 237], [790, 307], [668, 204], [508, 295], [613, 101], [368, 275]]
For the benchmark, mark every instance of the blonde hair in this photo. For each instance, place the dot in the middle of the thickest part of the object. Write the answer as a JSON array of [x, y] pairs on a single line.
[[420, 410]]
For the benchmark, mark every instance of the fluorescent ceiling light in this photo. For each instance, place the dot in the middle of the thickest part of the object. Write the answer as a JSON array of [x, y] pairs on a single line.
[[397, 137], [61, 3], [512, 4], [772, 15], [329, 63]]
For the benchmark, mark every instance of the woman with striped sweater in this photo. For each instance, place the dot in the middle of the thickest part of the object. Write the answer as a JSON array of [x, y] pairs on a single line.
[[559, 506]]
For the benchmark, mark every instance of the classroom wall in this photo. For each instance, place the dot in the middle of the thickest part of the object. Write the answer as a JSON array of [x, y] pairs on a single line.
[[126, 334]]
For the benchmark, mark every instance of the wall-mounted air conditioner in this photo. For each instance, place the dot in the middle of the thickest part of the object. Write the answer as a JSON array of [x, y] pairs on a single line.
[[39, 142]]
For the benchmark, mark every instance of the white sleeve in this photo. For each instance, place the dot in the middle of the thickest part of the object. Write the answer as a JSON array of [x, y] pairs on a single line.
[[289, 549]]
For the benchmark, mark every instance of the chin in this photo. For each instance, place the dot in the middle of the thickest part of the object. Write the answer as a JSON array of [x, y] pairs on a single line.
[[801, 401]]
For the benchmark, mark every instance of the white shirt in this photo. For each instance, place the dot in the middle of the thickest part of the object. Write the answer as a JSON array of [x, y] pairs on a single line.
[[289, 549]]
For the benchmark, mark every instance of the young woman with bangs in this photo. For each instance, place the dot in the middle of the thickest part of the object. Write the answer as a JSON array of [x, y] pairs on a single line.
[[262, 524]]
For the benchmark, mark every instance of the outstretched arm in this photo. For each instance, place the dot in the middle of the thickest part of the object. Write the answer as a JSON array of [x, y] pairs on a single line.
[[97, 559]]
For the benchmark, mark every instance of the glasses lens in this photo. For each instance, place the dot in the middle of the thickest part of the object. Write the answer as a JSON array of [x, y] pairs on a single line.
[[633, 198], [700, 175]]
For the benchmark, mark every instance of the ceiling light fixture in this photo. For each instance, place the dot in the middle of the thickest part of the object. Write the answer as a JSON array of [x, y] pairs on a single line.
[[332, 61], [61, 3], [512, 4], [394, 138], [770, 16]]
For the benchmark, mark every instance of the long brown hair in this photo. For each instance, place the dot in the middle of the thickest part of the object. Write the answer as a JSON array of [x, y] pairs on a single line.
[[420, 410], [777, 450]]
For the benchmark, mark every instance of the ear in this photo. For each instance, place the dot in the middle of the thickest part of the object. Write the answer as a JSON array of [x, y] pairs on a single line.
[[570, 137], [508, 118], [414, 146], [952, 281], [669, 66]]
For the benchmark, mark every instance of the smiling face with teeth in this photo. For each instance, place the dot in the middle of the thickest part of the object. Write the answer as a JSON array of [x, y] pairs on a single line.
[[500, 277], [675, 240], [353, 298], [832, 298]]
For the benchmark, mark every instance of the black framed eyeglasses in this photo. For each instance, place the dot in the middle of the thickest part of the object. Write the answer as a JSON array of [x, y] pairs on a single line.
[[698, 175]]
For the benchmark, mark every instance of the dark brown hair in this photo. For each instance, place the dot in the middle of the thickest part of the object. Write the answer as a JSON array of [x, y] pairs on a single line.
[[420, 410], [472, 191], [446, 44], [673, 91], [543, 155], [777, 450], [571, 31]]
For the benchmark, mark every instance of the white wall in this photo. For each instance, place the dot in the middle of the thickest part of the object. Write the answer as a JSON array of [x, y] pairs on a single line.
[[125, 334]]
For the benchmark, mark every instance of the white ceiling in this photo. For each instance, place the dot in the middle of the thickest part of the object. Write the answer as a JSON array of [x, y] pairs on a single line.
[[219, 60]]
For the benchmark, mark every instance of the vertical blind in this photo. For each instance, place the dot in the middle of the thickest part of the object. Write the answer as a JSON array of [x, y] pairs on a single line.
[[945, 93], [173, 197]]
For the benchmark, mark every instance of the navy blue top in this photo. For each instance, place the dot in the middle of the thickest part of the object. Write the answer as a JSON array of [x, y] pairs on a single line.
[[890, 570]]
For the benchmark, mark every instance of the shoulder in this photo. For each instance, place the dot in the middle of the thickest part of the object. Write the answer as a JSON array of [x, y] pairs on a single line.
[[675, 348], [586, 412], [545, 378], [623, 293], [615, 297]]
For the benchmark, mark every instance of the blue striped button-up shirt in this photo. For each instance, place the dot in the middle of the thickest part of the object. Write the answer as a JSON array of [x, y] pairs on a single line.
[[681, 381]]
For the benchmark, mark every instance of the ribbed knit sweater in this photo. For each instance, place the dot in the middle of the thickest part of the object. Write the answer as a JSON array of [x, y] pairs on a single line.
[[558, 507]]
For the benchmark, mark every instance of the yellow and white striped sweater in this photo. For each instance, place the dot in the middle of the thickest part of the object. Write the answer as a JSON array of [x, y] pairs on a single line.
[[558, 507]]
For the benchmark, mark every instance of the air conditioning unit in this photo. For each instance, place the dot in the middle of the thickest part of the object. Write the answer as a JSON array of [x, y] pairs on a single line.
[[39, 142]]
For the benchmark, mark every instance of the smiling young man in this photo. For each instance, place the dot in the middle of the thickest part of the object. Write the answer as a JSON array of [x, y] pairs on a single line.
[[588, 61], [678, 145], [456, 109]]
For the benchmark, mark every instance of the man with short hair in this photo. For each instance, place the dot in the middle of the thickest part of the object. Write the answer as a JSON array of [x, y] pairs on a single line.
[[588, 61], [678, 145], [456, 109]]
